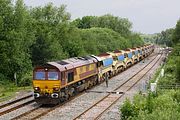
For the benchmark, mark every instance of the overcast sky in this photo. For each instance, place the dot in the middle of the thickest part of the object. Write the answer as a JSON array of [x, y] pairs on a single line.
[[147, 16]]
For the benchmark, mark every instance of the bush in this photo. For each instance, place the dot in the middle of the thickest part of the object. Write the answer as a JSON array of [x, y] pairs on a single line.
[[178, 70], [176, 96], [162, 107], [159, 114], [26, 80], [127, 110], [2, 78]]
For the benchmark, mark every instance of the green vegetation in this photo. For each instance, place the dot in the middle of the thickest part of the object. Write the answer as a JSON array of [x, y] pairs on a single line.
[[120, 25], [8, 90], [103, 40], [33, 36], [165, 104], [171, 71], [163, 39]]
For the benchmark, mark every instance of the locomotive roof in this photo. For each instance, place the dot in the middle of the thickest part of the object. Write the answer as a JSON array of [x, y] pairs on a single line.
[[73, 62]]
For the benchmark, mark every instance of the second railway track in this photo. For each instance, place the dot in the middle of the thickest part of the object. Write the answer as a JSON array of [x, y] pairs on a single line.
[[99, 107], [40, 111], [15, 104]]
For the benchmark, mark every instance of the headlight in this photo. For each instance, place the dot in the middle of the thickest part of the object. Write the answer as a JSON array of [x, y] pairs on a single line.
[[36, 88], [56, 89]]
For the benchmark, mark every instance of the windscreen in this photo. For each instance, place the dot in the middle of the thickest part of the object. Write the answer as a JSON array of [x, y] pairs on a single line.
[[46, 74], [39, 76], [52, 75]]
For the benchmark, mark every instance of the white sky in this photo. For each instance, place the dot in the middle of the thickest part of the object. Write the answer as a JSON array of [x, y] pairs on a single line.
[[147, 16]]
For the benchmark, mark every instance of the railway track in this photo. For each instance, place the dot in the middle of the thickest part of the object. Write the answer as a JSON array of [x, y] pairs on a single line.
[[15, 104], [41, 110], [99, 107], [15, 101]]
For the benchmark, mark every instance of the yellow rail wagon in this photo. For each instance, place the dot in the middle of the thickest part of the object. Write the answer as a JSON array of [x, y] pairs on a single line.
[[128, 58], [105, 62], [140, 52], [57, 81], [135, 55], [151, 46], [146, 51], [118, 61]]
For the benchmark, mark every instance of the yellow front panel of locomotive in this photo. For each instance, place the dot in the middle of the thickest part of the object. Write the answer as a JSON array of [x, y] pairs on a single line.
[[46, 86]]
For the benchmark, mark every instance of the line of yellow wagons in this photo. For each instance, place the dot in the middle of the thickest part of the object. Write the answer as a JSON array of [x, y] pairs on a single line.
[[56, 81]]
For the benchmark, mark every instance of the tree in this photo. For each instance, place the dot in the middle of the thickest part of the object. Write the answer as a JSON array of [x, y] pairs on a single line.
[[46, 21], [176, 35], [85, 22], [120, 25], [15, 58], [99, 40]]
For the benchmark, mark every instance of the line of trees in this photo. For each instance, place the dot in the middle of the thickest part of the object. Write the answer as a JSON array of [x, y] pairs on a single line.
[[33, 36], [168, 37]]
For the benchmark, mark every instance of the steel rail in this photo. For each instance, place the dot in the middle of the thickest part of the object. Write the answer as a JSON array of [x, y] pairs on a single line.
[[15, 101], [116, 89], [47, 111], [128, 89], [16, 107], [60, 105]]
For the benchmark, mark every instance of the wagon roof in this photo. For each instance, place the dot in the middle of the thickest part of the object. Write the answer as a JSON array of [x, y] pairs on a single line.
[[117, 52], [103, 54]]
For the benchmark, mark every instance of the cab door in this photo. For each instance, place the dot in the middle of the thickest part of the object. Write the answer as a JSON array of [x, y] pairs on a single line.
[[63, 79]]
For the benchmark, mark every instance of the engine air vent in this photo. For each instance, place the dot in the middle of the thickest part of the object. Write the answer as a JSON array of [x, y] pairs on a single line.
[[62, 63]]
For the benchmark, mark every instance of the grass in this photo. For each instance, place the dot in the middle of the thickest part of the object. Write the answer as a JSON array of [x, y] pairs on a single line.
[[8, 91]]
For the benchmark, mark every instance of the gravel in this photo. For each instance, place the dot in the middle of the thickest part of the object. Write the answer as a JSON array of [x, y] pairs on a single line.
[[81, 103], [78, 105], [113, 113], [19, 111]]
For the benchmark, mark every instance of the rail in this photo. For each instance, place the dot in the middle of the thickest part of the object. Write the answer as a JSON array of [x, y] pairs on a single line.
[[110, 99], [44, 112]]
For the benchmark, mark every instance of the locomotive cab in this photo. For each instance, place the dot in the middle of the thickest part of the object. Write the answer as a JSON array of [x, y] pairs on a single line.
[[46, 82]]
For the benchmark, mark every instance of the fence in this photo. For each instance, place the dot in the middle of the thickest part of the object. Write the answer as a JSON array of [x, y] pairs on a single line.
[[173, 86]]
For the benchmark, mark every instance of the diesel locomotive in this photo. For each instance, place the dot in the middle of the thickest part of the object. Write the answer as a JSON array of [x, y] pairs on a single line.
[[55, 82]]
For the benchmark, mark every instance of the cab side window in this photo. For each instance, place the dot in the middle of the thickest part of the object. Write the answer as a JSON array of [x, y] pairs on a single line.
[[70, 76]]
